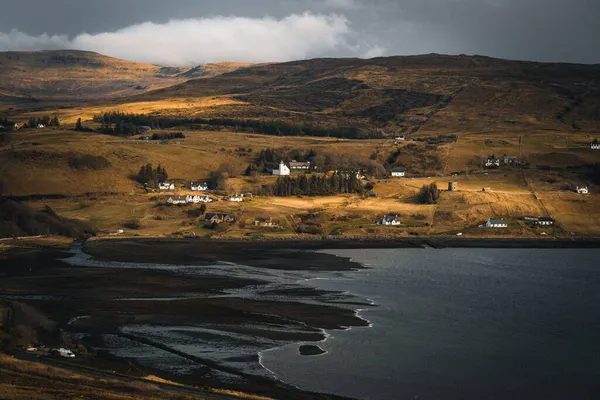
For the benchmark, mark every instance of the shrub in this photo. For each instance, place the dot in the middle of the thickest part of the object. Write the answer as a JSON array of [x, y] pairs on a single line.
[[197, 212], [133, 224], [429, 194]]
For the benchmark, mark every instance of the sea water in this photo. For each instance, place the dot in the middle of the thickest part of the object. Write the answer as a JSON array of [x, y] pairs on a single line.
[[460, 324]]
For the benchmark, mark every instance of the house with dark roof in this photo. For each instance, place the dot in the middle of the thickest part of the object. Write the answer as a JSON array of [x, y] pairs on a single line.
[[398, 172], [545, 221], [219, 218], [263, 221], [496, 223], [300, 165]]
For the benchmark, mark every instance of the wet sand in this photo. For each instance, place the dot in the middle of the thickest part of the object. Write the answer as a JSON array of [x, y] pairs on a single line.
[[133, 306]]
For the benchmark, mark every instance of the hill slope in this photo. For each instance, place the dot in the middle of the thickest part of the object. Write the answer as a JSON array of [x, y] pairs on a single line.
[[51, 77], [401, 94]]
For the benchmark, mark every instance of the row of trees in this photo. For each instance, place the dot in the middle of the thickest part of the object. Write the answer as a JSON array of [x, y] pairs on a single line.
[[45, 120], [151, 176], [167, 136], [109, 121], [344, 182]]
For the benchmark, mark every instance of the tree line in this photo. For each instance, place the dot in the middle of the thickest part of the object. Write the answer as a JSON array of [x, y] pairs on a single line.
[[152, 176], [341, 182], [167, 136], [45, 120], [110, 120]]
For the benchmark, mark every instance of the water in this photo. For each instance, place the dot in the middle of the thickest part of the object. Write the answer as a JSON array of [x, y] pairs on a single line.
[[461, 324]]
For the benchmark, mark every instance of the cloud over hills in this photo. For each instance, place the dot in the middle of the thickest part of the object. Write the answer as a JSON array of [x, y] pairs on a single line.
[[197, 41]]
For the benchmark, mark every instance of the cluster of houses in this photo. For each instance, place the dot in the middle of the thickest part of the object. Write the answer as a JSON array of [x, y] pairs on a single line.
[[194, 187], [493, 162], [390, 220], [189, 199], [285, 170], [595, 145]]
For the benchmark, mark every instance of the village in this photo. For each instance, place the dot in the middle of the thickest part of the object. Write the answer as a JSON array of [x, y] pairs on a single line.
[[296, 187]]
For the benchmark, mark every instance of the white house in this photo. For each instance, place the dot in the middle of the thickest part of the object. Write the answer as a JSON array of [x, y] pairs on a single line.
[[299, 165], [545, 221], [492, 162], [236, 198], [390, 220], [582, 190], [41, 126], [398, 172], [283, 169], [400, 138], [177, 200], [496, 223], [166, 186], [595, 145], [198, 199], [199, 187]]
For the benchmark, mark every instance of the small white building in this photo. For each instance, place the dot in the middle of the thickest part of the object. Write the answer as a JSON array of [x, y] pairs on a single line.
[[174, 200], [400, 137], [582, 190], [595, 145], [496, 223], [545, 221], [199, 187], [299, 165], [195, 199], [390, 220], [283, 170], [236, 198], [41, 126], [492, 162], [166, 186], [398, 172]]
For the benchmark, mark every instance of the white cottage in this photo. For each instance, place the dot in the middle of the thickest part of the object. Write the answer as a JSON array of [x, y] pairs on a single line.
[[595, 146], [166, 186], [496, 223], [400, 138], [492, 162], [582, 190], [41, 126], [236, 198], [177, 200], [199, 187], [398, 172], [390, 220], [198, 199], [283, 170]]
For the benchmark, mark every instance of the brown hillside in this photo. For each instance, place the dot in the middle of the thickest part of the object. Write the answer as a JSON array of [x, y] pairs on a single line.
[[401, 94], [41, 78]]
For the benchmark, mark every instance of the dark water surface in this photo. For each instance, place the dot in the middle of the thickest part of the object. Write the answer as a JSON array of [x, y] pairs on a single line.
[[461, 324]]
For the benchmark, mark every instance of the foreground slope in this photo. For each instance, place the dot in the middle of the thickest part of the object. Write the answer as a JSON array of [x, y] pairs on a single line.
[[41, 78]]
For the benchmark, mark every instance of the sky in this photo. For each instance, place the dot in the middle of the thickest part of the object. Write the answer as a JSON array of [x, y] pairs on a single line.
[[192, 32]]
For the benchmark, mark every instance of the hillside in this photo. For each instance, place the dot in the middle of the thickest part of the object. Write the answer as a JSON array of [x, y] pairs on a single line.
[[396, 94], [42, 78]]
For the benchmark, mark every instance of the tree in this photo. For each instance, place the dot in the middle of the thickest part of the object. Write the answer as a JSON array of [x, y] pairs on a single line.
[[55, 121], [429, 194], [78, 126]]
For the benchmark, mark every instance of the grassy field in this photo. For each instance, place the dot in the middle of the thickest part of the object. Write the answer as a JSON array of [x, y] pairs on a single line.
[[37, 162]]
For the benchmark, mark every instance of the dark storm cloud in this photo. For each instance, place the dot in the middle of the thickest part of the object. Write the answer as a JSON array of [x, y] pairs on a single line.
[[194, 31]]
